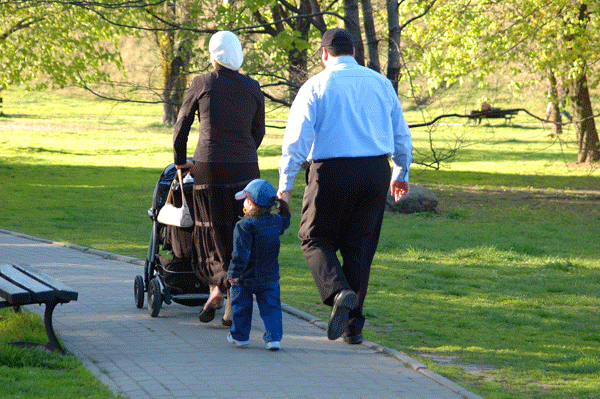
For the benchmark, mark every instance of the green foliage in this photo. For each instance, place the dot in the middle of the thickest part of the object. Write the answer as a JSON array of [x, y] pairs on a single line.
[[463, 38], [269, 48], [53, 43]]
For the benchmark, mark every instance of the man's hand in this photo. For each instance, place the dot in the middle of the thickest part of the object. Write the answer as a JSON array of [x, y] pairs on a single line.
[[284, 195], [399, 189]]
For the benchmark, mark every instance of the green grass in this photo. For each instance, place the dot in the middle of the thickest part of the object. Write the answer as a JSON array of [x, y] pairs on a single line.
[[503, 283], [34, 373]]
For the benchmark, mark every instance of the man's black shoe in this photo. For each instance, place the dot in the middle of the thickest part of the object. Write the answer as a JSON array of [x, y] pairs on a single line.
[[353, 339], [343, 303]]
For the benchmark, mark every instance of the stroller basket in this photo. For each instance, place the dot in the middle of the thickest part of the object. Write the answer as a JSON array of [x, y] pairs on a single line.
[[179, 276]]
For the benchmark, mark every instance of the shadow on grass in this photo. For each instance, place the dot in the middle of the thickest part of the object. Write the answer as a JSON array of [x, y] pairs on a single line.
[[100, 207], [18, 116], [508, 180], [497, 155]]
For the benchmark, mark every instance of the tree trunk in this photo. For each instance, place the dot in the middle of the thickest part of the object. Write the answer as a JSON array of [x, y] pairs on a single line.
[[393, 68], [175, 58], [352, 25], [587, 135], [298, 59], [297, 71], [166, 45], [319, 23], [174, 89], [553, 111], [371, 35]]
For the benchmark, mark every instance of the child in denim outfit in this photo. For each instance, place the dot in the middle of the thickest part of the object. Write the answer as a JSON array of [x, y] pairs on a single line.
[[254, 267]]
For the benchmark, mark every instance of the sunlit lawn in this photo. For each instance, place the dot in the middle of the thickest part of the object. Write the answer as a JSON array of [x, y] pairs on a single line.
[[502, 285]]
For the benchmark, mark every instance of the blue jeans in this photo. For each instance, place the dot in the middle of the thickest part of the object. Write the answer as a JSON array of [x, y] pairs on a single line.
[[269, 305]]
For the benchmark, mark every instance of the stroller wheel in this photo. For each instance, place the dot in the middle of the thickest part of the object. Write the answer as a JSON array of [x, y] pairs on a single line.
[[155, 297], [138, 291]]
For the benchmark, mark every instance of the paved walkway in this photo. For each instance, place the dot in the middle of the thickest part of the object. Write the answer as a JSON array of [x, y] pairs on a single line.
[[176, 356]]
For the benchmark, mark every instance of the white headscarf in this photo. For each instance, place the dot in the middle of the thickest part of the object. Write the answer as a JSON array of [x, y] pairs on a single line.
[[226, 49]]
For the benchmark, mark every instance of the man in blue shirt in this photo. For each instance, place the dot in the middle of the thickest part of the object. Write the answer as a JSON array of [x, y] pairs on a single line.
[[346, 121]]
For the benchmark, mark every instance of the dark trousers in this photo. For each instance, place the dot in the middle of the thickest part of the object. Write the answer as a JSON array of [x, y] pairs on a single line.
[[342, 210]]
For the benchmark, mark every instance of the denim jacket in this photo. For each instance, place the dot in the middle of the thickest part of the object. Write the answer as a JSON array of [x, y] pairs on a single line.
[[256, 249]]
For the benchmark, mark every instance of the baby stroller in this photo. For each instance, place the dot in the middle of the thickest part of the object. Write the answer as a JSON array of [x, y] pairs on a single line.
[[169, 278]]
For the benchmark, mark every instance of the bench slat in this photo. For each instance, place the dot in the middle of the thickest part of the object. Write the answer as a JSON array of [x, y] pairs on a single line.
[[34, 286], [18, 277], [13, 293], [66, 291]]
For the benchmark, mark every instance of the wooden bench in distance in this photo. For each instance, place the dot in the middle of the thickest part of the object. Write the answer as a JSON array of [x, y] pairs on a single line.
[[496, 113], [20, 286]]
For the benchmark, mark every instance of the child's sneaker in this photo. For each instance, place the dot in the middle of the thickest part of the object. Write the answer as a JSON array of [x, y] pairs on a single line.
[[237, 343], [274, 346]]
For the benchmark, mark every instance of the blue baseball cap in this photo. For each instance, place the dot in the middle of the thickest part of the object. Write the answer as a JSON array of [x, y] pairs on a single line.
[[259, 191]]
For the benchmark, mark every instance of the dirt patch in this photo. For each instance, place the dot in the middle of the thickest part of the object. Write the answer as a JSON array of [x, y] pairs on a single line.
[[475, 369]]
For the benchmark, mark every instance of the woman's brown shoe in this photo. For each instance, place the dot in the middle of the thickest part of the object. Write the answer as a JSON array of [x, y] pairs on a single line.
[[207, 314], [214, 301]]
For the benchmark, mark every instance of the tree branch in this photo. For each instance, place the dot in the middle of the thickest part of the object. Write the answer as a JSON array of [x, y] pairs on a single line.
[[22, 24], [288, 19], [277, 100], [418, 16], [176, 27], [87, 4], [268, 28], [483, 114]]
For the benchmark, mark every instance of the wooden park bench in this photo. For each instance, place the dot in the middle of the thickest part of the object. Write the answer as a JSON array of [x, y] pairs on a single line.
[[496, 113], [20, 286]]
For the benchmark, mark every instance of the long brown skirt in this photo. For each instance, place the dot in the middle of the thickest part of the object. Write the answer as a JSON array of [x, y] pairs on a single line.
[[216, 212]]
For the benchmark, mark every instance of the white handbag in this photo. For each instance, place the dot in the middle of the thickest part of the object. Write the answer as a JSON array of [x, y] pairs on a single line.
[[173, 216]]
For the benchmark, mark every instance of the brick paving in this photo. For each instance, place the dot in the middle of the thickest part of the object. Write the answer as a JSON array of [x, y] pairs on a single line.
[[176, 356]]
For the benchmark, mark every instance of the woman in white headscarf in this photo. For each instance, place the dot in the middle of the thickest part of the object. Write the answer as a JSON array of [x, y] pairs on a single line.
[[231, 111]]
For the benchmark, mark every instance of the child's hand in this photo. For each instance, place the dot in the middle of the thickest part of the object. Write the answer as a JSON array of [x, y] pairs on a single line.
[[234, 280]]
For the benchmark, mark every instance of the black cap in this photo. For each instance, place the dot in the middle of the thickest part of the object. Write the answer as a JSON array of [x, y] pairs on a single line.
[[336, 37]]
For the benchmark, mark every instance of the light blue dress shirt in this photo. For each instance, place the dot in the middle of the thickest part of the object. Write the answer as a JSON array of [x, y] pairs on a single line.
[[346, 110]]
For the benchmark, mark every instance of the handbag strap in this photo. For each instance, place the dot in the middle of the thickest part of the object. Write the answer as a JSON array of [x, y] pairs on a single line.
[[183, 201], [170, 195]]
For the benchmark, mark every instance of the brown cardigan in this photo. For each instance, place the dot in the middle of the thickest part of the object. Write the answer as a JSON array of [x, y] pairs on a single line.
[[231, 111]]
